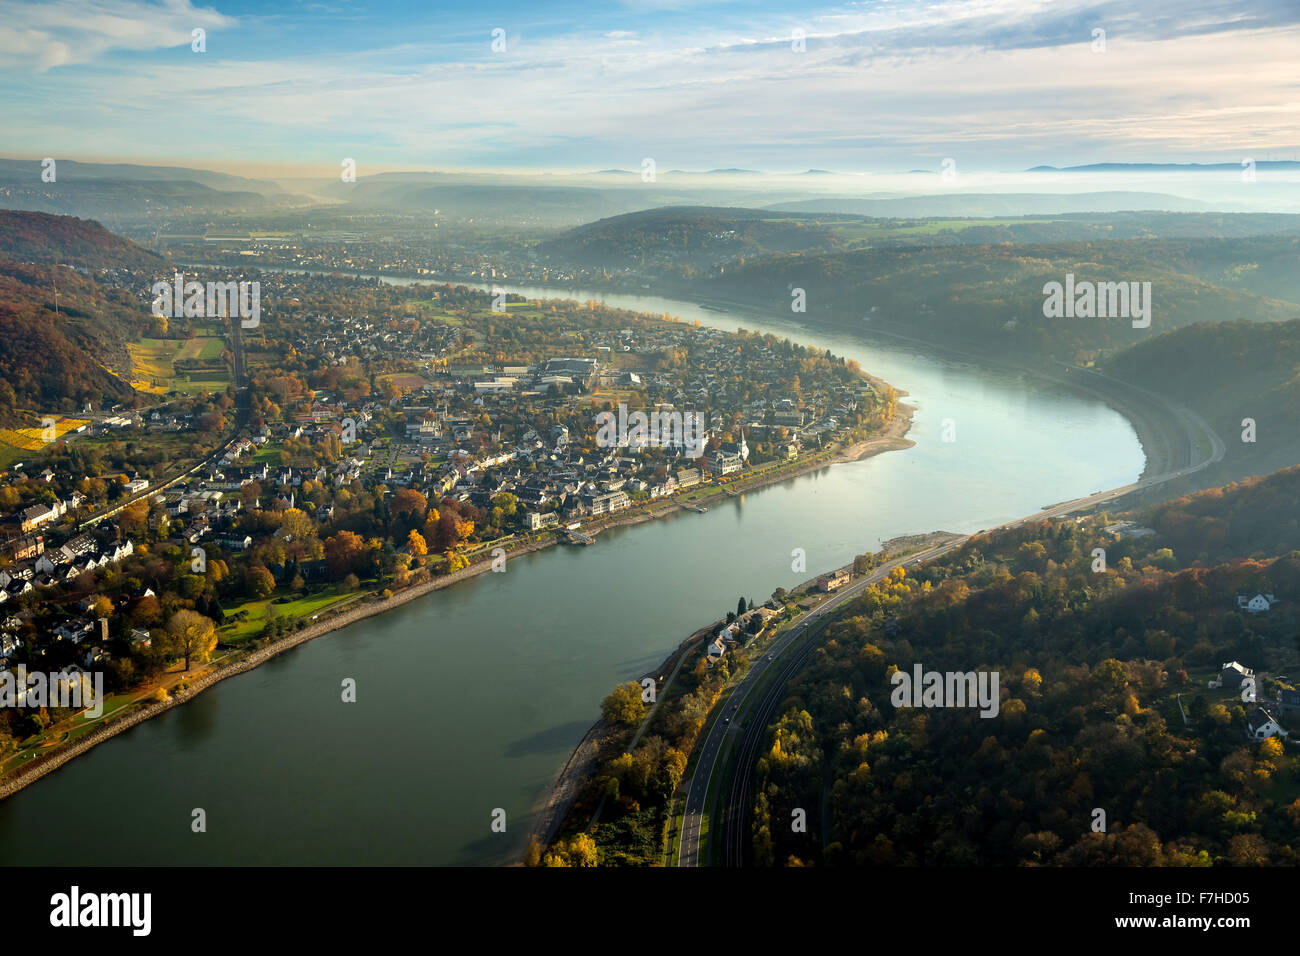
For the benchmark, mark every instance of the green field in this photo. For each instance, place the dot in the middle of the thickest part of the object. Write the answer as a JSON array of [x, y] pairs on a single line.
[[154, 370], [867, 231], [304, 606], [435, 308]]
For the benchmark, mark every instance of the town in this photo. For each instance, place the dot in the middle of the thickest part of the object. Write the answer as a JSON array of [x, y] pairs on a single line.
[[380, 438]]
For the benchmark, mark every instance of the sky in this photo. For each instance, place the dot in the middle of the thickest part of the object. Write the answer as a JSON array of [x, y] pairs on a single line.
[[885, 85]]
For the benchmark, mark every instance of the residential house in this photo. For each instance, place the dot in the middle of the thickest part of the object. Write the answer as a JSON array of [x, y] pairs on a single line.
[[829, 582], [1261, 725], [1259, 604], [609, 503], [1232, 675], [32, 518], [537, 520]]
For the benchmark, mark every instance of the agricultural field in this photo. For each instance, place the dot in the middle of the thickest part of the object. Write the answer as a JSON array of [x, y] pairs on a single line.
[[893, 229], [154, 369], [407, 380], [33, 438], [434, 310]]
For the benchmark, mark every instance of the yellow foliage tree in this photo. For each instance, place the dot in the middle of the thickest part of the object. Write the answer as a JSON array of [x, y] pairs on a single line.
[[192, 635]]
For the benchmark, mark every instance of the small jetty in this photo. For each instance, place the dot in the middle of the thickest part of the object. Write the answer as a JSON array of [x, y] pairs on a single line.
[[577, 537], [698, 509]]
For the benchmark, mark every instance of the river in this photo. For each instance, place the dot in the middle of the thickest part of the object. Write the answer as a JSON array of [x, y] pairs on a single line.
[[470, 699]]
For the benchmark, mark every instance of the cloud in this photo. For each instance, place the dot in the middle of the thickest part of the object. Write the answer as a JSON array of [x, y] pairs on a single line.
[[62, 32], [901, 84]]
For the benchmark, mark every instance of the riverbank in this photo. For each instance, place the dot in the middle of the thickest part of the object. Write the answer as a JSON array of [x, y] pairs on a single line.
[[205, 677], [558, 799], [890, 439], [580, 769]]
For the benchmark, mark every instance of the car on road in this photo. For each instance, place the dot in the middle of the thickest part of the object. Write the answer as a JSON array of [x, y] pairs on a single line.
[[769, 656]]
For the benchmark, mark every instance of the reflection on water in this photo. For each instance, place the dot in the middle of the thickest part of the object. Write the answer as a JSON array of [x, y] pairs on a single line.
[[470, 699]]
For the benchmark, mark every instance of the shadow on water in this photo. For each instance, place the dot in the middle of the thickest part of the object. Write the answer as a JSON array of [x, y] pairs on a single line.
[[561, 737], [497, 849], [198, 719], [645, 664]]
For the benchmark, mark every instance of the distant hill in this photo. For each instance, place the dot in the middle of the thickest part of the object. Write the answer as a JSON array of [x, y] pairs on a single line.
[[1266, 267], [127, 193], [1229, 371], [696, 237], [987, 298], [1281, 164], [56, 355], [44, 238], [123, 200], [547, 206], [69, 170], [963, 204], [1265, 264]]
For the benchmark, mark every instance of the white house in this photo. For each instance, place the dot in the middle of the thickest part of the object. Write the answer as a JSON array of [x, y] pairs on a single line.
[[75, 631], [1232, 675], [1260, 725], [1259, 604]]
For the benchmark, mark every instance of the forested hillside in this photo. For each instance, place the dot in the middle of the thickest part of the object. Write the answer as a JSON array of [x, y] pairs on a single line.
[[57, 360], [990, 298], [41, 237], [1230, 372], [1093, 666], [1254, 518], [64, 320], [696, 236]]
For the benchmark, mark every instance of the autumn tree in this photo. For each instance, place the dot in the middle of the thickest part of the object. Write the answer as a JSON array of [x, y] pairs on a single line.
[[342, 552], [624, 705], [408, 503], [191, 635], [260, 582], [134, 519]]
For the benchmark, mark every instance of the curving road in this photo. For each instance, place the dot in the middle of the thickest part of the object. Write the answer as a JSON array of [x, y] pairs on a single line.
[[791, 652]]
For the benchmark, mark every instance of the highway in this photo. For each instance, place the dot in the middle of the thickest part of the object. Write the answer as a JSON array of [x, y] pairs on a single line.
[[689, 850], [791, 651]]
